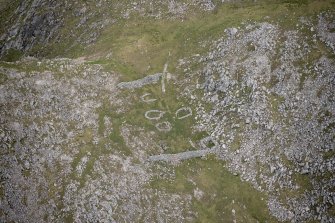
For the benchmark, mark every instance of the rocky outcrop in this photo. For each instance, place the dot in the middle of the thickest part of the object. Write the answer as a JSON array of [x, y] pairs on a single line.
[[30, 25], [42, 23], [58, 163], [274, 111]]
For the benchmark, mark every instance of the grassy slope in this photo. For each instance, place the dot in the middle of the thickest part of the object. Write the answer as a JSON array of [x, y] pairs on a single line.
[[141, 42], [223, 192]]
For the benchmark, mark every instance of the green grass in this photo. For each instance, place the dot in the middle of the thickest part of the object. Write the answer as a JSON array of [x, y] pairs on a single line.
[[178, 138], [332, 211], [140, 41], [106, 110], [222, 192], [329, 155], [237, 142], [12, 55]]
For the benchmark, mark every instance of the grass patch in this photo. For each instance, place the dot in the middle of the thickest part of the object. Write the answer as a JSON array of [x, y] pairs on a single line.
[[106, 110], [329, 155], [329, 128], [275, 101], [142, 46], [303, 181], [331, 211], [222, 192], [12, 55], [237, 142], [181, 132], [272, 82]]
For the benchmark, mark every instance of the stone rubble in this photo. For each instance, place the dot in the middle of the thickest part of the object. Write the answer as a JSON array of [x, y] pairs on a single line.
[[271, 110], [150, 79], [176, 158], [57, 164]]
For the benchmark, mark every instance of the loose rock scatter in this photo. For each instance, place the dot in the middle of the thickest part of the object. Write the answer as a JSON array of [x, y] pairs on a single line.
[[269, 115]]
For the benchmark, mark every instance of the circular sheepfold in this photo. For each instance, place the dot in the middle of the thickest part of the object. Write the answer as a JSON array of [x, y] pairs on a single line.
[[183, 112], [145, 98], [154, 114], [163, 126]]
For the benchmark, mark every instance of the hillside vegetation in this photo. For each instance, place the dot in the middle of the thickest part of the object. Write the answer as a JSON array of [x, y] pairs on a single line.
[[167, 111]]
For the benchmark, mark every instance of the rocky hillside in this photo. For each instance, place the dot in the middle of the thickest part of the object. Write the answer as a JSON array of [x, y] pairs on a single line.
[[36, 27], [167, 111]]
